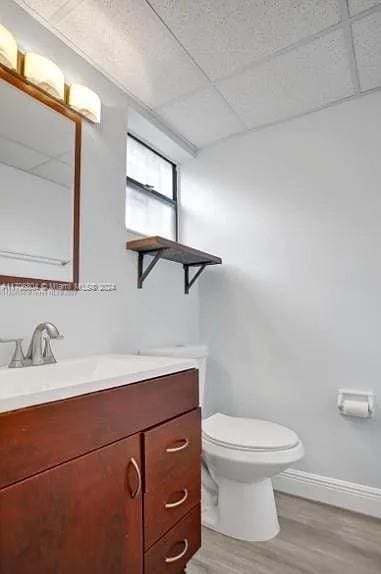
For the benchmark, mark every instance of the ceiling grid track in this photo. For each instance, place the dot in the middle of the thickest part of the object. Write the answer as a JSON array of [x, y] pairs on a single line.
[[255, 64], [286, 50], [344, 24], [347, 28], [64, 11], [344, 20], [297, 116], [205, 75]]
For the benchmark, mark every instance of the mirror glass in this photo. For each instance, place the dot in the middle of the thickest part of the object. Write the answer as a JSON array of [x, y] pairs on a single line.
[[37, 186]]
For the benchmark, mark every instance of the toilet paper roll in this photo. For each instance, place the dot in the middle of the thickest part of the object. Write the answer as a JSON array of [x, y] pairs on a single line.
[[354, 408]]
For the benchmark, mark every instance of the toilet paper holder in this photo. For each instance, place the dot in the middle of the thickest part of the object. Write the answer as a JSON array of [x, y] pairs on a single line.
[[351, 394]]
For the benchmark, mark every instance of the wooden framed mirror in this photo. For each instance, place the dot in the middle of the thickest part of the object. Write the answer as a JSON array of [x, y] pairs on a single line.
[[40, 180]]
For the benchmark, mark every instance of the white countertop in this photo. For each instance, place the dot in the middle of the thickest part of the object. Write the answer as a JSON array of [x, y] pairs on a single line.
[[24, 387]]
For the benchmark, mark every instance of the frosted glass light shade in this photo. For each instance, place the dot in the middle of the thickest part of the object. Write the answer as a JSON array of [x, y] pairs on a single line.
[[8, 49], [86, 102], [45, 74]]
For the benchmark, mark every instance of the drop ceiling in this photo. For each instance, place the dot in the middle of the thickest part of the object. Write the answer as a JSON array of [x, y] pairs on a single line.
[[29, 142], [210, 69]]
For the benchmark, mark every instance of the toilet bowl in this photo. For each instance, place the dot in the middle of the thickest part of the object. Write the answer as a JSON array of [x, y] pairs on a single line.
[[240, 456]]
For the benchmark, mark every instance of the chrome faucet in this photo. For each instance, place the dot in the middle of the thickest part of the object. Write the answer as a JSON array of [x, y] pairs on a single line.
[[40, 350]]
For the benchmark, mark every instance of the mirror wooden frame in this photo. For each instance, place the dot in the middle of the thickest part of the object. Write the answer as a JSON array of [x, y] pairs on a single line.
[[20, 83]]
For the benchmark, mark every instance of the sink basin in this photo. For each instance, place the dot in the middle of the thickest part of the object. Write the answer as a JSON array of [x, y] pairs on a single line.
[[36, 385]]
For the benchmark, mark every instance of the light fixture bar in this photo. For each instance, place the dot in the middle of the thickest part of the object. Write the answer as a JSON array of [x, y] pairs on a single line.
[[48, 77]]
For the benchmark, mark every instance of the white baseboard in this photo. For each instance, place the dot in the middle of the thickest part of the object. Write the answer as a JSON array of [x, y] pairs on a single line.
[[348, 495]]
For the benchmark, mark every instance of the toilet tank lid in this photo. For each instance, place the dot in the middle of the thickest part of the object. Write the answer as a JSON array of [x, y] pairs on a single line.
[[248, 434], [188, 351]]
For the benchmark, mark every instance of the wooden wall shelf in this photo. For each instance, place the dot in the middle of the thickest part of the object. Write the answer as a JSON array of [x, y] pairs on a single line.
[[160, 248]]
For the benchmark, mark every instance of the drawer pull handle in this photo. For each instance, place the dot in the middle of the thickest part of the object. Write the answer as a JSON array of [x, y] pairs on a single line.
[[138, 489], [178, 448], [178, 502], [179, 556]]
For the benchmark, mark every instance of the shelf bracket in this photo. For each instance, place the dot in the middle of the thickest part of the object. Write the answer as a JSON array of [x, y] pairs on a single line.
[[143, 273], [189, 282]]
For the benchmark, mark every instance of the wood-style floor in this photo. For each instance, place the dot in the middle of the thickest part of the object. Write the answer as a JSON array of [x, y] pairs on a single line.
[[314, 539]]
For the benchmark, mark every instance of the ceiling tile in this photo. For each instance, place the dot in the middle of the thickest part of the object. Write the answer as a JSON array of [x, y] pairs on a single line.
[[55, 171], [126, 39], [367, 41], [15, 154], [225, 35], [202, 118], [45, 8], [299, 81], [356, 6]]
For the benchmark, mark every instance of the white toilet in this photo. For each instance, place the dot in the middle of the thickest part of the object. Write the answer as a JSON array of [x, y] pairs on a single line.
[[240, 456]]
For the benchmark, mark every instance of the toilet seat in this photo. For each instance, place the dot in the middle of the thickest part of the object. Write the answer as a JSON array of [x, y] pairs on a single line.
[[243, 434]]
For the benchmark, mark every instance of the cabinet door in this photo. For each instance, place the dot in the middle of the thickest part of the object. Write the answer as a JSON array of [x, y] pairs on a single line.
[[83, 517]]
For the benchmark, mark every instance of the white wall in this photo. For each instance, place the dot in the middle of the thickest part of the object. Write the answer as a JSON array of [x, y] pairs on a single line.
[[103, 322], [295, 311]]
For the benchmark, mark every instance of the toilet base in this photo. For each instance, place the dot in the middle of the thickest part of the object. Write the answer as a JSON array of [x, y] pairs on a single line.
[[245, 511]]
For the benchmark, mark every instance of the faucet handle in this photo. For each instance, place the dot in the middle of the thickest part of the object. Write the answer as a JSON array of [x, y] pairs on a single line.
[[18, 359]]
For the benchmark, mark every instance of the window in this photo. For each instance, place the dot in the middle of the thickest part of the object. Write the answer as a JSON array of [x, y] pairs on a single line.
[[151, 197]]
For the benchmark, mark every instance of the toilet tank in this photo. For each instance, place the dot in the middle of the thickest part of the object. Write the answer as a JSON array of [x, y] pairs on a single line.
[[197, 352]]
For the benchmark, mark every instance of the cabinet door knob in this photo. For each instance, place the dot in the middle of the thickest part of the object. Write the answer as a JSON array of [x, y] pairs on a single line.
[[178, 502], [138, 489], [171, 559], [178, 448]]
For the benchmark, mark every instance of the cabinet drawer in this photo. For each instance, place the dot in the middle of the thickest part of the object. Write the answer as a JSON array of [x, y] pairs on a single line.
[[168, 503], [69, 428], [171, 554], [172, 449]]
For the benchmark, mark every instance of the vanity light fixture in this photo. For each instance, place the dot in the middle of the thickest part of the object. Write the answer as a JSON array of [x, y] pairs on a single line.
[[86, 102], [45, 74], [48, 77], [8, 49]]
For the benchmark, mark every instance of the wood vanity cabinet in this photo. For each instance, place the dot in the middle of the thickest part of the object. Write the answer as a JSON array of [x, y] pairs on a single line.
[[104, 483]]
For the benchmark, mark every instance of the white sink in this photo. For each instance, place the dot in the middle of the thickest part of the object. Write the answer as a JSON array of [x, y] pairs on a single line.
[[36, 385]]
